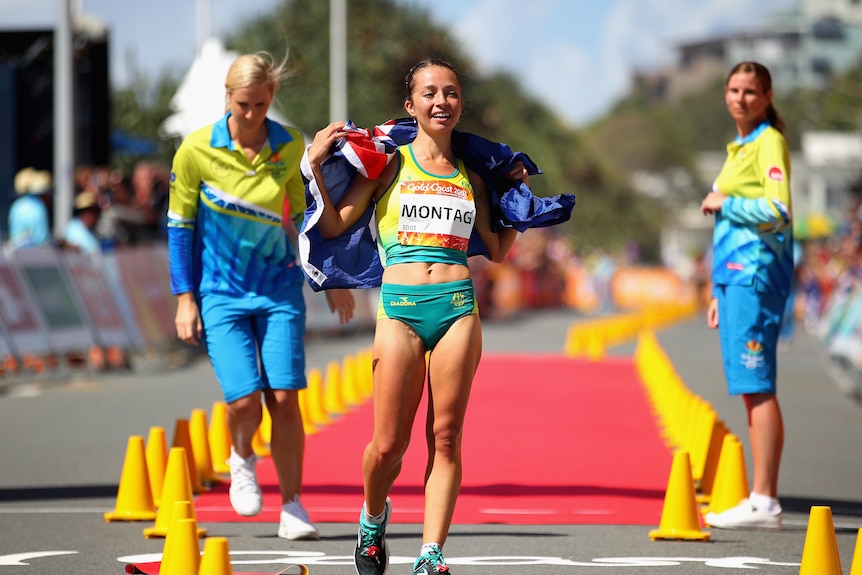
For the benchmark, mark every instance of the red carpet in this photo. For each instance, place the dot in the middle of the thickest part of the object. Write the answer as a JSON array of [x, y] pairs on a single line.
[[548, 440]]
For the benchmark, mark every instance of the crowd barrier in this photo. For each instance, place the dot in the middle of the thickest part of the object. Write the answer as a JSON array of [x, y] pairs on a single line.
[[60, 309]]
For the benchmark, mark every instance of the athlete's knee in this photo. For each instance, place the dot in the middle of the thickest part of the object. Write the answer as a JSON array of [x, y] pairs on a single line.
[[283, 404], [447, 441], [246, 408], [388, 453]]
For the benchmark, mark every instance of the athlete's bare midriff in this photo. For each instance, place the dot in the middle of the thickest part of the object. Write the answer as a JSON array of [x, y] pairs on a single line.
[[422, 273]]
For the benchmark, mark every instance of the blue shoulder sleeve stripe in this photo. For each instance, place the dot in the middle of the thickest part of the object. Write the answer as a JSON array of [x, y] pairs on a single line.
[[180, 248]]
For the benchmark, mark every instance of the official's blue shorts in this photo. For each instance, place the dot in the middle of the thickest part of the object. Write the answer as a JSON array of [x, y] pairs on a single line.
[[256, 342], [749, 322], [429, 309]]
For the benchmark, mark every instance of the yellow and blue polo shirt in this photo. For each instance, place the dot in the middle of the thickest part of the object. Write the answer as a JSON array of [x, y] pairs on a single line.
[[225, 213], [753, 236]]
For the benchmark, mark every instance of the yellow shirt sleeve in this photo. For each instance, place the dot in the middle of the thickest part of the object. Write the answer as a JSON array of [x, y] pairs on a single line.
[[185, 186]]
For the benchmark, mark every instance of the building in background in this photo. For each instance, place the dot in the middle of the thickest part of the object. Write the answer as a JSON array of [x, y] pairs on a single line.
[[803, 48]]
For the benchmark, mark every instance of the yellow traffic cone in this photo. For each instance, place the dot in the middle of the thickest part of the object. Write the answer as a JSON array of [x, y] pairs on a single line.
[[201, 448], [179, 510], [349, 393], [332, 400], [701, 427], [576, 338], [219, 438], [679, 516], [183, 438], [366, 370], [820, 553], [595, 342], [265, 424], [216, 557], [157, 459], [134, 495], [315, 391], [856, 565], [177, 487], [307, 424], [707, 481], [182, 554], [260, 448], [731, 479], [361, 363]]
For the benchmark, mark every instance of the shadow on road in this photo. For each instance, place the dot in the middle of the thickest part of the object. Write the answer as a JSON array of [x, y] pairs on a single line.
[[51, 493], [803, 505]]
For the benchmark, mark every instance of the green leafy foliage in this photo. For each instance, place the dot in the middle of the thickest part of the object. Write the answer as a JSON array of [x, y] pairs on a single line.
[[140, 110]]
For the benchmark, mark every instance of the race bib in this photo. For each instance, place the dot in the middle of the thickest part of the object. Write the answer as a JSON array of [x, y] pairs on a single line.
[[435, 213]]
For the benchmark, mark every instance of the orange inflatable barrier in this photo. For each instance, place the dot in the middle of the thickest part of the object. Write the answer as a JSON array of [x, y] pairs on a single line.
[[637, 287]]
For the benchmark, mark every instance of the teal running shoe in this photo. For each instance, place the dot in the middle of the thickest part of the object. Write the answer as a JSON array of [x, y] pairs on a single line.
[[371, 556], [430, 563]]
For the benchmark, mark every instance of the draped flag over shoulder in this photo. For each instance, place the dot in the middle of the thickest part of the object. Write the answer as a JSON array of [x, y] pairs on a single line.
[[352, 259]]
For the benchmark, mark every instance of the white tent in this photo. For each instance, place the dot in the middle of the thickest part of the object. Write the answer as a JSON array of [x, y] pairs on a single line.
[[199, 101]]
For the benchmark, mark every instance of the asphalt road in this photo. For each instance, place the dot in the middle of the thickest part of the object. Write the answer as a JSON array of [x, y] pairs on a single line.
[[63, 444]]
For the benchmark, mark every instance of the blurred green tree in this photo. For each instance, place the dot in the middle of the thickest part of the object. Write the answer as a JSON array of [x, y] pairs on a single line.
[[140, 109]]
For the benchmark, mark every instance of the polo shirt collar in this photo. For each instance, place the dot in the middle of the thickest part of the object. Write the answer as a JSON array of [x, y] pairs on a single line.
[[753, 135], [276, 134]]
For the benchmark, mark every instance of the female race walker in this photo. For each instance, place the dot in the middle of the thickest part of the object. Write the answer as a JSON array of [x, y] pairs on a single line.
[[752, 272], [427, 204], [237, 283]]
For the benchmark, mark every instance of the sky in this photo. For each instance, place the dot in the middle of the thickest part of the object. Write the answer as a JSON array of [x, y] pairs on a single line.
[[576, 56]]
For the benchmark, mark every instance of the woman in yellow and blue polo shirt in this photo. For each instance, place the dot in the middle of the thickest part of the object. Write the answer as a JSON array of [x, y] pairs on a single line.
[[237, 283], [751, 274]]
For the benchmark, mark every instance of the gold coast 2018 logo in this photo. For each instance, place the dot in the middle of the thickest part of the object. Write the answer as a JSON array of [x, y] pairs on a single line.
[[752, 357]]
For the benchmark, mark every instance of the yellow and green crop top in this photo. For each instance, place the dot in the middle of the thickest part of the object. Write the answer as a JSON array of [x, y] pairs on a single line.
[[425, 217]]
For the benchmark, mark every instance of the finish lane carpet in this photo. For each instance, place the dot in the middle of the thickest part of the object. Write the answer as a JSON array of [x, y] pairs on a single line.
[[548, 440]]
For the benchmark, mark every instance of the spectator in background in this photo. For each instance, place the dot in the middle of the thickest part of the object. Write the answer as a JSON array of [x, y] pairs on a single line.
[[114, 224], [29, 214], [135, 209], [80, 232], [603, 268], [82, 178], [151, 188]]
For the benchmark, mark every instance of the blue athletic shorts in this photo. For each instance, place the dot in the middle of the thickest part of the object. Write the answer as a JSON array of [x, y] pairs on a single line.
[[429, 309], [749, 322], [256, 342]]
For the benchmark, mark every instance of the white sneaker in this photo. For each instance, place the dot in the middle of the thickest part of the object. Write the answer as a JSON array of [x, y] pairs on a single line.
[[245, 495], [745, 516], [294, 523]]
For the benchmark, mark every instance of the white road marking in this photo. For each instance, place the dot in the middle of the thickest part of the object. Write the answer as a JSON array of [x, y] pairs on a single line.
[[21, 558]]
